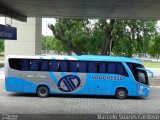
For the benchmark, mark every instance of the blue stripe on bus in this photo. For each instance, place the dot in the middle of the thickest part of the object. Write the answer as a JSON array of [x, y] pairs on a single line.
[[53, 77], [62, 74], [74, 73]]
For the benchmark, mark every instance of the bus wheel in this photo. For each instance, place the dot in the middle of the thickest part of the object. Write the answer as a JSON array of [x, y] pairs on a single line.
[[42, 91], [121, 93]]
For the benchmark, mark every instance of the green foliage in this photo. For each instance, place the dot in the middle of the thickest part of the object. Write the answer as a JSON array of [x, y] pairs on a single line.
[[47, 42], [84, 36], [50, 43], [1, 45], [133, 36], [155, 47]]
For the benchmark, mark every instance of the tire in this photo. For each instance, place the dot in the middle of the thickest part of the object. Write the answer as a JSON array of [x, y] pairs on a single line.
[[42, 91], [121, 93]]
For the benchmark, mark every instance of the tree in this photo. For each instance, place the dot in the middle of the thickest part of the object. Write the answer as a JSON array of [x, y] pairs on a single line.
[[66, 31], [84, 36], [155, 48], [133, 36], [1, 45], [48, 42]]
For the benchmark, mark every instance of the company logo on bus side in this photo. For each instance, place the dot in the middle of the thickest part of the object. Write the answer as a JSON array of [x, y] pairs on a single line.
[[101, 77], [69, 83]]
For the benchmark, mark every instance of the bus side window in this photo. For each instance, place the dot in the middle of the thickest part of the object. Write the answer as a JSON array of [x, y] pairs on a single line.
[[44, 65], [33, 65], [92, 68], [63, 66], [121, 70], [82, 67], [15, 64], [131, 67], [102, 68], [24, 64], [53, 65], [111, 68], [73, 66]]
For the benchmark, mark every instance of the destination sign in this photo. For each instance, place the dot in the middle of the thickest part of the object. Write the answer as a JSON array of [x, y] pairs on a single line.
[[8, 32]]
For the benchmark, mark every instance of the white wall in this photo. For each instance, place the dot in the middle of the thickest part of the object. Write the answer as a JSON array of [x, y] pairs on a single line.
[[28, 37]]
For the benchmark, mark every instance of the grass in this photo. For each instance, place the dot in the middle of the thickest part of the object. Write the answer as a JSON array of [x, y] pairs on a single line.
[[1, 58], [151, 64]]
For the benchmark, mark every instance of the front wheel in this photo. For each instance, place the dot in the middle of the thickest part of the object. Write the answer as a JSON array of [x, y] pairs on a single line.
[[42, 91], [121, 93]]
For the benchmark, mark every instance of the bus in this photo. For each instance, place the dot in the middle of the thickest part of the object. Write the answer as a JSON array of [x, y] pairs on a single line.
[[78, 75]]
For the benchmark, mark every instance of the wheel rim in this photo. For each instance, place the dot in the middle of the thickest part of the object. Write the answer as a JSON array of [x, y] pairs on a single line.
[[121, 93], [42, 91]]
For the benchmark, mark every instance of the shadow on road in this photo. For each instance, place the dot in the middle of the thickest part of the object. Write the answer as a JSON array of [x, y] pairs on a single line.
[[72, 96]]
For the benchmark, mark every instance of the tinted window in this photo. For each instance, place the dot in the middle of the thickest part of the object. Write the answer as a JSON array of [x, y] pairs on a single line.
[[53, 65], [63, 66], [44, 65], [73, 66], [15, 63], [102, 68], [82, 66], [69, 66], [116, 68], [142, 77], [34, 65], [24, 64], [92, 67], [132, 67], [112, 68], [121, 70]]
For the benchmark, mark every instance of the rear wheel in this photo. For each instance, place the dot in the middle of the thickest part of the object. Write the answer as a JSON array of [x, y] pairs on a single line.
[[42, 91], [121, 93]]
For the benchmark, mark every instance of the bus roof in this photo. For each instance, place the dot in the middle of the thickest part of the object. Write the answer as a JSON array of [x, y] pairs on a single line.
[[81, 57]]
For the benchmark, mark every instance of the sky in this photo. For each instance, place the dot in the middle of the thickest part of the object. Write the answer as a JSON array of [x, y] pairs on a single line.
[[45, 21], [45, 30]]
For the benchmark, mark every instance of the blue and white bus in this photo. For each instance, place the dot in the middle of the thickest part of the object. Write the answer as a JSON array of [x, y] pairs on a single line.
[[84, 75]]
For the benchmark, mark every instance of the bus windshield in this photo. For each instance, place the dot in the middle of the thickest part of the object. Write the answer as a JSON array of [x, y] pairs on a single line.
[[142, 76], [139, 74]]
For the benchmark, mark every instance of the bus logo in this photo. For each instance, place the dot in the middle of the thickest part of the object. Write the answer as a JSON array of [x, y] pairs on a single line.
[[69, 83]]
